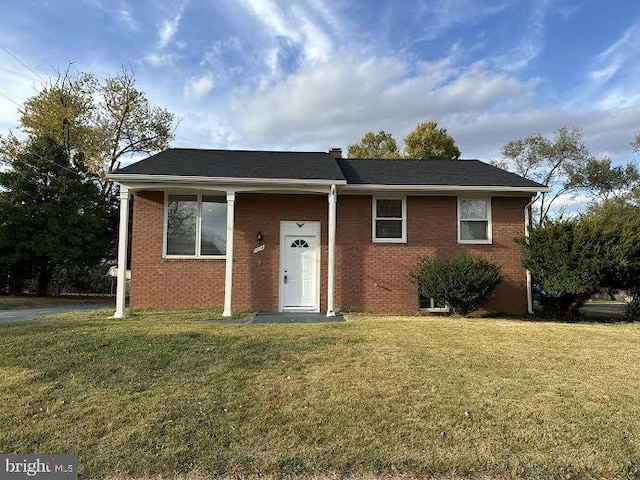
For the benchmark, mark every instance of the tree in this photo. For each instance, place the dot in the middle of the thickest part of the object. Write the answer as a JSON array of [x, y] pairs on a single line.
[[636, 143], [105, 121], [86, 126], [551, 162], [603, 181], [375, 145], [619, 218], [52, 214], [64, 112], [571, 259], [430, 142], [426, 141]]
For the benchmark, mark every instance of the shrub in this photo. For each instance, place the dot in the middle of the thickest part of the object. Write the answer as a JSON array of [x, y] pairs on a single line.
[[463, 281], [85, 280], [572, 259], [632, 310]]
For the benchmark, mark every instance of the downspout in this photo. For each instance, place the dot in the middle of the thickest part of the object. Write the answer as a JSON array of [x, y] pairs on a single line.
[[527, 225]]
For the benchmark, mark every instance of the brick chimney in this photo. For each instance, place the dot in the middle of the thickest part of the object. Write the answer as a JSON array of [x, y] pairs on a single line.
[[336, 153]]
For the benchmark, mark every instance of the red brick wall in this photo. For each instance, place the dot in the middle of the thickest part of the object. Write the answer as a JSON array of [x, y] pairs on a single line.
[[373, 277], [167, 283], [256, 276], [369, 277]]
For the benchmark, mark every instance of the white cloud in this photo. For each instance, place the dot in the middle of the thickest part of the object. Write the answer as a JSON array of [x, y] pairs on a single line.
[[17, 86], [304, 29], [611, 82], [340, 100], [441, 15], [570, 205], [317, 45], [273, 19], [126, 16], [336, 102], [531, 42], [320, 7], [167, 30], [198, 87], [205, 128], [606, 132], [612, 59], [220, 48], [325, 89], [161, 59]]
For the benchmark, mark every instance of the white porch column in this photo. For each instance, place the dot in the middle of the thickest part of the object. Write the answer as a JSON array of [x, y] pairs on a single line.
[[228, 277], [331, 260], [123, 238]]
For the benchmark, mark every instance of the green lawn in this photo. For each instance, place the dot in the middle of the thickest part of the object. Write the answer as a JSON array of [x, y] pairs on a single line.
[[170, 393], [9, 302]]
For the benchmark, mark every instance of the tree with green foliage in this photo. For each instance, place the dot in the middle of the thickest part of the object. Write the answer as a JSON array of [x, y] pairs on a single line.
[[430, 142], [375, 145], [106, 121], [636, 143], [619, 219], [52, 213], [603, 181], [551, 162], [571, 259], [426, 141], [462, 281]]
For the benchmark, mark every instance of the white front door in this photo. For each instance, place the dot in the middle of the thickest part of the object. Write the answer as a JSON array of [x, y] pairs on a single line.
[[299, 266]]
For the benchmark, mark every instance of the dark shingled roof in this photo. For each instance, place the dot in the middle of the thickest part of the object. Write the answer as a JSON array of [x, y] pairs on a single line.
[[250, 164], [238, 164], [471, 173]]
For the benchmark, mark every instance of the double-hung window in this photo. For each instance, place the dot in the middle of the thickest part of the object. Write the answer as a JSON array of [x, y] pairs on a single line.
[[474, 220], [196, 226], [390, 220]]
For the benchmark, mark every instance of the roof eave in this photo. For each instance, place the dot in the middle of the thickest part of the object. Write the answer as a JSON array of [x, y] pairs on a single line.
[[126, 178], [443, 188]]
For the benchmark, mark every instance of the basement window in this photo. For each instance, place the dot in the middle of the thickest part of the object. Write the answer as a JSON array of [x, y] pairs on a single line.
[[427, 304]]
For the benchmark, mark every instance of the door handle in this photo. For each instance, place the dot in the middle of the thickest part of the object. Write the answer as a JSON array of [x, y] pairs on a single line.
[[285, 279]]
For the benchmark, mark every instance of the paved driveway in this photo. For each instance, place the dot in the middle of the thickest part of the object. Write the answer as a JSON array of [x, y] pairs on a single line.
[[605, 308], [28, 314]]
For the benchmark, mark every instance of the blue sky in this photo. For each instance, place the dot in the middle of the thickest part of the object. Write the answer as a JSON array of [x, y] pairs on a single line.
[[316, 74]]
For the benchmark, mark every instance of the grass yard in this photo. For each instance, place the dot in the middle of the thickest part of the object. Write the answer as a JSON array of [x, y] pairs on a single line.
[[169, 393], [9, 302]]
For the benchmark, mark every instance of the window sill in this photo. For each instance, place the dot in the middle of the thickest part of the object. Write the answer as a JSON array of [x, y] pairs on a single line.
[[434, 310], [193, 257], [475, 242], [389, 240]]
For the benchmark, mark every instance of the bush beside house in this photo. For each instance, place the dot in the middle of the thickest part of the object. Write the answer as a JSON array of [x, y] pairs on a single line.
[[462, 281]]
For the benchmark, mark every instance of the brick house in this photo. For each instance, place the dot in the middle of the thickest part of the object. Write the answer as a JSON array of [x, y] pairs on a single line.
[[311, 231]]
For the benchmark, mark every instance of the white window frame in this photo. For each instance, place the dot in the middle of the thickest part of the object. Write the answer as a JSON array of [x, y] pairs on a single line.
[[489, 239], [374, 219], [198, 227], [432, 307]]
